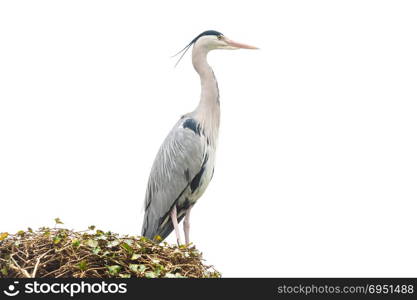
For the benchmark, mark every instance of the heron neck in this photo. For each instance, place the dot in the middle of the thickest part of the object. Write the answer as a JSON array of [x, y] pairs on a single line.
[[208, 110]]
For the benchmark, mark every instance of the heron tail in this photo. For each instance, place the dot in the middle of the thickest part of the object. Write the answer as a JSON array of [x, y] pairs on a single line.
[[156, 233]]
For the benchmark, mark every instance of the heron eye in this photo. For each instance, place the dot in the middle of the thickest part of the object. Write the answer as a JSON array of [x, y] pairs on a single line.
[[219, 37]]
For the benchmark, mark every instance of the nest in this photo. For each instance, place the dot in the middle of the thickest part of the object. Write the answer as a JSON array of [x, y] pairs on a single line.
[[62, 253]]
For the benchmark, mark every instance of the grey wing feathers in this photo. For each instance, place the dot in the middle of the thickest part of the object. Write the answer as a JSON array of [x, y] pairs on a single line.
[[178, 160]]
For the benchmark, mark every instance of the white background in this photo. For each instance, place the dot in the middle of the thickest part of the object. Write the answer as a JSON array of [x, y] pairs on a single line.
[[317, 161]]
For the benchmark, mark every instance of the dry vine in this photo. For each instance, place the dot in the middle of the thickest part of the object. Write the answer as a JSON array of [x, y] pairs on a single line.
[[58, 252]]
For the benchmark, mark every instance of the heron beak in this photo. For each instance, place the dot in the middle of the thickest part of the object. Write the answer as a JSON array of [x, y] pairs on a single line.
[[239, 45]]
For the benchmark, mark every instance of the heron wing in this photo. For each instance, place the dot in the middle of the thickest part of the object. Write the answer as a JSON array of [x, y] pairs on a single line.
[[178, 161]]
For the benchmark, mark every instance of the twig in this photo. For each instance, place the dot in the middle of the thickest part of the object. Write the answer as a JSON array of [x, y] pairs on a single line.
[[23, 271], [37, 262]]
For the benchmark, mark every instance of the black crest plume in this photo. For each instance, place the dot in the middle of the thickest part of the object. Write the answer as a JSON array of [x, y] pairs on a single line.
[[185, 49]]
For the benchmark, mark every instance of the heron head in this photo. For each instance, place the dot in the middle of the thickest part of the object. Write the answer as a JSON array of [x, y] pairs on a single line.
[[212, 40]]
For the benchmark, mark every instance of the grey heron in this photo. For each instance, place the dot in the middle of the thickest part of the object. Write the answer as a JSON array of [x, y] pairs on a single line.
[[184, 164]]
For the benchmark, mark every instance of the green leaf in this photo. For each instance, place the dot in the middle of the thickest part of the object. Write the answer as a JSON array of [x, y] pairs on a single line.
[[134, 267], [129, 242], [58, 221], [135, 256], [91, 227], [96, 250], [3, 235], [142, 268], [128, 248], [155, 261], [76, 243], [124, 275], [112, 244], [4, 271], [56, 239], [176, 275], [159, 268], [144, 239], [82, 265], [20, 233], [150, 275], [114, 270], [92, 243]]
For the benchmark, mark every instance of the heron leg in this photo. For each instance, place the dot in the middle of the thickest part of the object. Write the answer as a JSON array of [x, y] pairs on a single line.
[[187, 226], [175, 223]]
